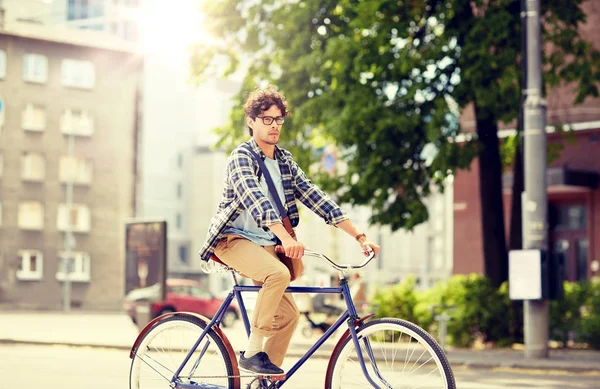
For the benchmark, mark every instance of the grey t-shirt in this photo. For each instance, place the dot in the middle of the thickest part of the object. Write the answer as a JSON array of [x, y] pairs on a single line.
[[245, 225]]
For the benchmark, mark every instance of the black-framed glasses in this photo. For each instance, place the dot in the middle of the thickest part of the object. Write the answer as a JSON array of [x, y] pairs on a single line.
[[268, 120]]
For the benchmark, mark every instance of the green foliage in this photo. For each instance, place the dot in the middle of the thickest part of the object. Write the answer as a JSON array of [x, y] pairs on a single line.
[[385, 81], [565, 314], [590, 316], [508, 148], [481, 312], [478, 310], [397, 301]]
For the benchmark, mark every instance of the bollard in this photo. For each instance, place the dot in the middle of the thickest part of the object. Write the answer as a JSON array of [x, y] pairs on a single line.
[[443, 318], [143, 313]]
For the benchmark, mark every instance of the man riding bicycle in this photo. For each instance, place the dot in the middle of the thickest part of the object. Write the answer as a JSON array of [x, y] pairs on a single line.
[[246, 229]]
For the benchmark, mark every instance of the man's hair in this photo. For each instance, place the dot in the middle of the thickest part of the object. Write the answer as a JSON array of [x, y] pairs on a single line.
[[261, 100]]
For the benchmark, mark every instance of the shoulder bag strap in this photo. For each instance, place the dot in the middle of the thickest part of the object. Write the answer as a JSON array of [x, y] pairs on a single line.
[[265, 172]]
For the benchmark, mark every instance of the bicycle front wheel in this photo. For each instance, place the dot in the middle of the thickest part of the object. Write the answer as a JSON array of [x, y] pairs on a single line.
[[165, 346], [397, 354]]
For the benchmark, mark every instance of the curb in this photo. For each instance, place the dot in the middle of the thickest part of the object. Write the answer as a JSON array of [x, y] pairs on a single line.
[[66, 344], [455, 362], [291, 352]]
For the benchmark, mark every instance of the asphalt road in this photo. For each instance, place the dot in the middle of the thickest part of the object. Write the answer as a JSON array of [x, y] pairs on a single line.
[[60, 367]]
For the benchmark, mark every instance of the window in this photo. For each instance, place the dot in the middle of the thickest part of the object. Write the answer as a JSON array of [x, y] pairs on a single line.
[[180, 160], [179, 190], [2, 63], [130, 31], [79, 218], [78, 265], [568, 217], [31, 215], [78, 74], [77, 9], [35, 68], [2, 109], [33, 118], [77, 122], [582, 251], [30, 265], [74, 169], [183, 254], [178, 221], [33, 166]]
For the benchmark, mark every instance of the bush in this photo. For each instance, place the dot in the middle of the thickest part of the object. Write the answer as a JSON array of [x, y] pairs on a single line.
[[478, 310], [590, 316], [397, 301], [483, 312], [565, 314]]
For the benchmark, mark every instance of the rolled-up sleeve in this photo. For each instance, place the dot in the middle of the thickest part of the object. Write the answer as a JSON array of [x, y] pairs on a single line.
[[245, 184], [314, 198]]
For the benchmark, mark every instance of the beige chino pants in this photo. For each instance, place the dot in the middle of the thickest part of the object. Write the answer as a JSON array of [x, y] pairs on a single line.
[[275, 314]]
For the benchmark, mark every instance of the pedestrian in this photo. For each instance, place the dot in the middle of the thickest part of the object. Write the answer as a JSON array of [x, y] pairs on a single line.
[[247, 227]]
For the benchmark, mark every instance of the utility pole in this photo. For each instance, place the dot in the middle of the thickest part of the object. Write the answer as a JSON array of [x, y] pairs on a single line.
[[69, 240], [535, 234]]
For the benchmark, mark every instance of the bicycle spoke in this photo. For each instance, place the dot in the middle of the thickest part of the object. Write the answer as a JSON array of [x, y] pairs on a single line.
[[166, 346], [381, 342]]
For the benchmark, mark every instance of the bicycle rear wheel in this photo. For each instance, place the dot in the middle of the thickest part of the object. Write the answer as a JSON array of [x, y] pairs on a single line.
[[397, 353], [163, 349]]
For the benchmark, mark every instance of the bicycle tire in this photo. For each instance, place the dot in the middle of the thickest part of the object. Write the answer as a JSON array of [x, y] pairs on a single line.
[[415, 331], [233, 381]]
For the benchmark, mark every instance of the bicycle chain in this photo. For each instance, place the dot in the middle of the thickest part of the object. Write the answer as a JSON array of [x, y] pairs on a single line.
[[228, 376]]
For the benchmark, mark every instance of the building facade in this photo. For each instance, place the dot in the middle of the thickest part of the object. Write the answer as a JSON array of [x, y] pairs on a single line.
[[56, 86], [573, 206]]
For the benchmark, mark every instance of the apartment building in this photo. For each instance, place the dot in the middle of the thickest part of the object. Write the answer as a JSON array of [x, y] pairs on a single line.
[[56, 85]]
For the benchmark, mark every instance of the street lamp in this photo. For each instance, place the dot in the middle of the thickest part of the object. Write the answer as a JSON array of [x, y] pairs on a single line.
[[69, 242]]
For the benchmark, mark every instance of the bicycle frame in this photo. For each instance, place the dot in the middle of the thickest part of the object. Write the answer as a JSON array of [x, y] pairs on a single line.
[[350, 316]]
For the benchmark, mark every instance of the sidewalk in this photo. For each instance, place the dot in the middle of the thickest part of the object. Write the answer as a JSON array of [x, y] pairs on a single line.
[[115, 330]]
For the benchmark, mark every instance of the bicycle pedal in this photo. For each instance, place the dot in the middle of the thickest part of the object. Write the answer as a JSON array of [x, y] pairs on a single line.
[[279, 377]]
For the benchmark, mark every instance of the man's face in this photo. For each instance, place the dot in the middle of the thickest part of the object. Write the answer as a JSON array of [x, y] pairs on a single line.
[[262, 132]]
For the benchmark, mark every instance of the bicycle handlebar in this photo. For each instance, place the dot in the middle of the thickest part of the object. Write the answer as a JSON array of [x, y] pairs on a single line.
[[311, 253]]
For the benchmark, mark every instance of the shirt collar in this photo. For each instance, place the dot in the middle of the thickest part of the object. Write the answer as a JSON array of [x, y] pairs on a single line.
[[278, 153]]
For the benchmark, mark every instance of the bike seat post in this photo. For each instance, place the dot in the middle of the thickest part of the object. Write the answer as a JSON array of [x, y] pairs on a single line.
[[235, 280]]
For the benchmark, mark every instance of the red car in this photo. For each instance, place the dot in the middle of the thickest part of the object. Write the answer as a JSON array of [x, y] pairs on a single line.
[[182, 295]]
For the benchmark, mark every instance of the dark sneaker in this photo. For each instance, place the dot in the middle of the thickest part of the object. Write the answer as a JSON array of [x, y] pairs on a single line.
[[259, 364]]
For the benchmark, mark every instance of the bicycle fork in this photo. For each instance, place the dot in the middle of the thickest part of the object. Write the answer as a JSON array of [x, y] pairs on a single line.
[[371, 355]]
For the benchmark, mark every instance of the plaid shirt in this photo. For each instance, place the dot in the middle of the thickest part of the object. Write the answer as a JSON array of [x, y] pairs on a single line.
[[242, 191]]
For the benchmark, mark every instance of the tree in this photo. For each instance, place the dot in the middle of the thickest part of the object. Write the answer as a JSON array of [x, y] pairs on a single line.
[[385, 81]]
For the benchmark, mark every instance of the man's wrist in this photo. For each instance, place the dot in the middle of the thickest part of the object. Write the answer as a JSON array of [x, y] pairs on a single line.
[[361, 238]]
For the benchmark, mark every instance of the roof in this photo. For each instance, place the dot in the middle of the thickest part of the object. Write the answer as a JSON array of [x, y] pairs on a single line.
[[68, 36]]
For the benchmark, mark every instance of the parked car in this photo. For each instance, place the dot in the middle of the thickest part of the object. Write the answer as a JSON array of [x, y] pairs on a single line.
[[182, 295]]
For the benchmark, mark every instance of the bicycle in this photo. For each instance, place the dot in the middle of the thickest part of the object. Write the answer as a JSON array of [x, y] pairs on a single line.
[[211, 363]]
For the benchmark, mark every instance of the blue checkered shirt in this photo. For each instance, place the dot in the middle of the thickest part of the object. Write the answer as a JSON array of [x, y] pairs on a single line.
[[242, 191]]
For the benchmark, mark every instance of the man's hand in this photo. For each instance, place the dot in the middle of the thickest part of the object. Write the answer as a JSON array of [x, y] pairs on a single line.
[[293, 248], [369, 246]]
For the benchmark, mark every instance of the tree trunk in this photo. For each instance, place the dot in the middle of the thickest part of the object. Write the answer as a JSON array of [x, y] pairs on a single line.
[[495, 257], [516, 223], [516, 233]]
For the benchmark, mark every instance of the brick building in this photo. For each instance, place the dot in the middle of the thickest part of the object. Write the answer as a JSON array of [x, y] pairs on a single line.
[[573, 183], [56, 84]]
